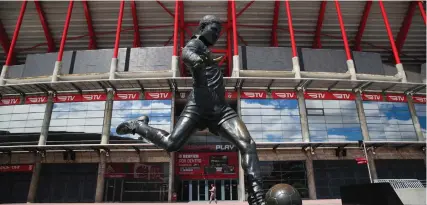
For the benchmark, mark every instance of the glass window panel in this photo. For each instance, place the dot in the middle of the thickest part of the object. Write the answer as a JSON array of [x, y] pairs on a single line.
[[34, 123], [4, 125], [19, 116], [6, 109], [316, 119], [331, 103], [270, 119], [333, 119], [251, 111], [350, 119], [5, 117], [36, 116], [22, 118], [251, 119], [317, 126], [314, 112], [313, 104]]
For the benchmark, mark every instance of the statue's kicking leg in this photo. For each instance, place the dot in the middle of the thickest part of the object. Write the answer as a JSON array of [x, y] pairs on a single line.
[[170, 142], [235, 130]]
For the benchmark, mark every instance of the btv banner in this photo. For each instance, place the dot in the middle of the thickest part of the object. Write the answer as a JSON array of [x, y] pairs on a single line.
[[210, 165]]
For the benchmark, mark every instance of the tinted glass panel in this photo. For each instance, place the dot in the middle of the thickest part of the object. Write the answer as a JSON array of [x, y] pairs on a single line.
[[421, 114]]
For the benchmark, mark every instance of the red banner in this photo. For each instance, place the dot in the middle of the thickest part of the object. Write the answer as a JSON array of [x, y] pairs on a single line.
[[253, 94], [157, 95], [150, 172], [209, 165], [318, 95], [372, 97], [35, 99], [228, 95], [61, 98], [283, 95], [16, 168], [127, 96], [396, 97], [419, 99], [10, 101]]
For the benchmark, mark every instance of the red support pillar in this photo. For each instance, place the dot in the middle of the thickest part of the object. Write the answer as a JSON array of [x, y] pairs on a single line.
[[181, 36], [136, 35], [229, 41], [406, 24], [236, 63], [274, 40], [16, 33], [350, 63], [4, 39], [362, 26], [113, 67], [399, 66], [244, 8], [92, 36], [291, 29], [58, 63], [422, 11], [175, 60], [50, 43], [317, 43]]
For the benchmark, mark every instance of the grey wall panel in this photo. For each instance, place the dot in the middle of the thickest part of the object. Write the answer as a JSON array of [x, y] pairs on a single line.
[[389, 69], [323, 60], [265, 58], [423, 72], [413, 77], [43, 64], [150, 58], [15, 71], [98, 61], [368, 63]]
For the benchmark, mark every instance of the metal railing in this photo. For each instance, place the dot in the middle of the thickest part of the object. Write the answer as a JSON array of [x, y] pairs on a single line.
[[402, 183]]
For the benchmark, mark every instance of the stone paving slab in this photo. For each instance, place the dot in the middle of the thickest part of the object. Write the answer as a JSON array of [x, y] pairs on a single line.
[[305, 202]]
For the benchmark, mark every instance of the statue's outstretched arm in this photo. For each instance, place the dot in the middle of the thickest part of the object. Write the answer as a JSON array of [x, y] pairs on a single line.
[[196, 54]]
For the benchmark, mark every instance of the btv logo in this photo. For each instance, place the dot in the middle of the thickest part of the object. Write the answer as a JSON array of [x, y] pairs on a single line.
[[397, 98], [92, 97], [316, 95], [66, 98], [127, 96], [10, 101], [372, 97], [420, 99], [37, 99], [254, 94], [341, 96], [285, 95], [159, 95]]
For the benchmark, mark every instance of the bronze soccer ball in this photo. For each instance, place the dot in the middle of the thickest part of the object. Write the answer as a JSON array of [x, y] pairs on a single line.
[[283, 194]]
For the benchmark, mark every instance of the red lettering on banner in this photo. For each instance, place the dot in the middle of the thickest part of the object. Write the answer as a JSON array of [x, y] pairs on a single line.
[[284, 95], [16, 168], [372, 97], [10, 101], [254, 94], [230, 95], [419, 99], [152, 172], [35, 99], [67, 98], [315, 95], [157, 95], [396, 97], [127, 96], [94, 97]]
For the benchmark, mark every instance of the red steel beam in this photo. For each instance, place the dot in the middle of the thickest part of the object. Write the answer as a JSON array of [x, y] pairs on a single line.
[[181, 35], [10, 55], [4, 39], [65, 31], [274, 40], [233, 16], [291, 29], [389, 33], [343, 33], [406, 24], [92, 36], [119, 28], [136, 36], [362, 26], [50, 43], [229, 40], [165, 8], [317, 43], [422, 11], [244, 8], [175, 29]]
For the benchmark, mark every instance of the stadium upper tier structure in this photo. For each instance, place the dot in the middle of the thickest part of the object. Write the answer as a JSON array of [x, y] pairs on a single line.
[[332, 92]]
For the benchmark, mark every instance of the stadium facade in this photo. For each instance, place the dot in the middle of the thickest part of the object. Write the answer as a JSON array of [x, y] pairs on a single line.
[[326, 98]]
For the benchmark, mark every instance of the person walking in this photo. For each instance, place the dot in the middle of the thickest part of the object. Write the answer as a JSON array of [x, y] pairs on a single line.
[[213, 194]]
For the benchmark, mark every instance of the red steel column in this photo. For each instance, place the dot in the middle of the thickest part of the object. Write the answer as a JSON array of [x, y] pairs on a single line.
[[12, 44], [422, 11], [113, 67], [175, 61], [399, 65], [229, 41], [236, 60], [362, 26], [274, 41], [350, 63], [58, 63], [182, 35], [295, 61]]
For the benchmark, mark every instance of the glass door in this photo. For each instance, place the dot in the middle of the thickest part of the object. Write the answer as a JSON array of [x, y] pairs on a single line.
[[234, 194], [227, 190], [202, 191]]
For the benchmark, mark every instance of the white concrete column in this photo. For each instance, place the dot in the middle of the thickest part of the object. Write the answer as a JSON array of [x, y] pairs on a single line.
[[35, 176], [175, 66], [362, 117], [46, 119], [401, 73], [113, 68], [296, 68], [415, 119], [351, 69], [171, 184], [236, 67], [310, 176], [241, 191], [100, 181], [371, 161], [56, 70], [3, 74], [107, 117], [303, 116]]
